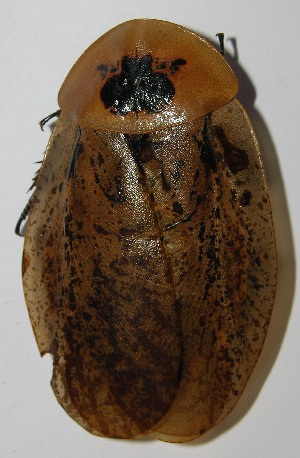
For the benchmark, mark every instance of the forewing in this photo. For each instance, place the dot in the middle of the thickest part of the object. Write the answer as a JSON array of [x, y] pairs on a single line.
[[224, 261], [102, 295]]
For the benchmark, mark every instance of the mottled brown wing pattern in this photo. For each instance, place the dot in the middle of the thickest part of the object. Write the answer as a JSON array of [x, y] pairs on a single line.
[[116, 335], [105, 274], [147, 273], [224, 261]]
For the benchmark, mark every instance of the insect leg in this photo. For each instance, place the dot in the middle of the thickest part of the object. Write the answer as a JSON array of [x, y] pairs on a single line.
[[221, 41], [45, 120], [23, 216]]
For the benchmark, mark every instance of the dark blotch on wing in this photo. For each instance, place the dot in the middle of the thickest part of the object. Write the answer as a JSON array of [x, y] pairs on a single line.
[[235, 158]]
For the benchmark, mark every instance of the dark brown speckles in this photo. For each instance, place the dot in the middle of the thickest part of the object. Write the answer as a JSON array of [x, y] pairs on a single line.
[[125, 232], [54, 190], [257, 261], [100, 159], [100, 229], [201, 232], [119, 271], [234, 194], [50, 240], [238, 183], [140, 261], [255, 282], [25, 263], [115, 192], [177, 208], [195, 180], [165, 183], [87, 316], [245, 198], [79, 225]]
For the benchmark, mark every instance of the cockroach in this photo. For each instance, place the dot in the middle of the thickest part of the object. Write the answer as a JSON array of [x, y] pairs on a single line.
[[149, 262]]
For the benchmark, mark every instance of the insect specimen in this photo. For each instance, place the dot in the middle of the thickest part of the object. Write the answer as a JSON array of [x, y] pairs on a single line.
[[149, 261]]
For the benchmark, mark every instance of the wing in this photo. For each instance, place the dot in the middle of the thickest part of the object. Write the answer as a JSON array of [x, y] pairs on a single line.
[[97, 285], [224, 261]]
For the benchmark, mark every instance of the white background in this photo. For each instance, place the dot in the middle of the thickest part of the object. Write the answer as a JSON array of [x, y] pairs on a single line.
[[40, 41]]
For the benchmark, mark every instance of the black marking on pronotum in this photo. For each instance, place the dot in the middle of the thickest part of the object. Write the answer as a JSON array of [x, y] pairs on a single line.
[[171, 66], [175, 65], [104, 69], [137, 88]]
